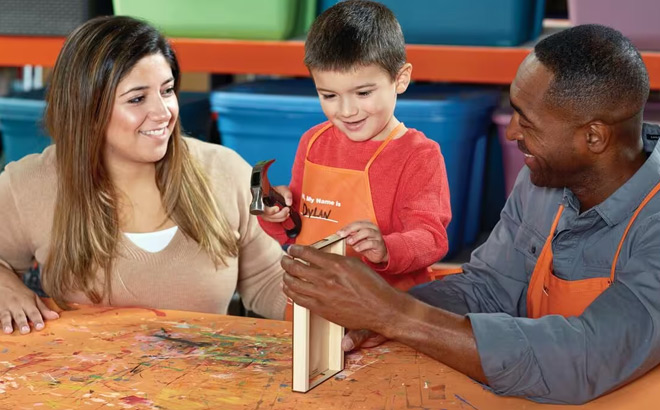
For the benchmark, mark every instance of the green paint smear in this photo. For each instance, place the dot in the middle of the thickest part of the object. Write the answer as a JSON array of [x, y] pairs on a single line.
[[259, 339]]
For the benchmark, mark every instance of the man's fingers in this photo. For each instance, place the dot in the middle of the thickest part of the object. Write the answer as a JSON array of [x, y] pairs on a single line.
[[354, 339], [302, 300], [315, 256], [374, 340], [297, 285]]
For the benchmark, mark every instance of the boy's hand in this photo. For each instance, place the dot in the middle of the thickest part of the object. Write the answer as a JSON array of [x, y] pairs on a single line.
[[365, 238], [275, 214]]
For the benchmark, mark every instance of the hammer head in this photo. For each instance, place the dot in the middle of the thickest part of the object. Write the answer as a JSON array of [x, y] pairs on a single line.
[[260, 186]]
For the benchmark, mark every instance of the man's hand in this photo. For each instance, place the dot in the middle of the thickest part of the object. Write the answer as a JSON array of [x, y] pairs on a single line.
[[274, 213], [365, 238], [356, 339], [340, 289]]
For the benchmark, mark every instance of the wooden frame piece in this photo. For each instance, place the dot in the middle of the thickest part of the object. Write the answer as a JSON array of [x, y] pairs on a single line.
[[317, 352]]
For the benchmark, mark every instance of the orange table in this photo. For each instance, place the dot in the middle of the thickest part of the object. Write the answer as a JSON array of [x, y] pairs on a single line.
[[131, 358]]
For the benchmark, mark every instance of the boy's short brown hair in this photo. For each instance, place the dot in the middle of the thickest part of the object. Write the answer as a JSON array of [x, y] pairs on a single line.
[[355, 33]]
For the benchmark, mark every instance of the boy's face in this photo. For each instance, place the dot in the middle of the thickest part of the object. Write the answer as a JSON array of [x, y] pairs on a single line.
[[360, 102]]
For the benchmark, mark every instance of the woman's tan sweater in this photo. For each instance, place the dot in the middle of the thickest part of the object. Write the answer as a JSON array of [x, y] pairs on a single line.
[[181, 276]]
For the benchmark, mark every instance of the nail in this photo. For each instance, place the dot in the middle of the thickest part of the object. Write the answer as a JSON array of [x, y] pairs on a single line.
[[25, 329], [39, 326]]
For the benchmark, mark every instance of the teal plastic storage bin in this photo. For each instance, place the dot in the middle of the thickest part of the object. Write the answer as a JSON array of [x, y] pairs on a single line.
[[265, 119], [21, 121], [467, 22], [21, 118], [236, 19]]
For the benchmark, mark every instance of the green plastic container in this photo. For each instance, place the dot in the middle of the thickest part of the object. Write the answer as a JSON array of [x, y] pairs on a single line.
[[235, 19]]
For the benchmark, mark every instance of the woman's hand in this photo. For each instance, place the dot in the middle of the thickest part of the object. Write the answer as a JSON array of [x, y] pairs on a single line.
[[18, 305]]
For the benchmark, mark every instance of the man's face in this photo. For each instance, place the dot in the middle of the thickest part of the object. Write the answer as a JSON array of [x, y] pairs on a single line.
[[544, 134]]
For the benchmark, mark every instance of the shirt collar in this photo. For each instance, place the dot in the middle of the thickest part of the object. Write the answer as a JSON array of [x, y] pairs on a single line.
[[623, 202]]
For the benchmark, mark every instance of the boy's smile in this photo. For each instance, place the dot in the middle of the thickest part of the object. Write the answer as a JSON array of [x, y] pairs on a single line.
[[360, 102]]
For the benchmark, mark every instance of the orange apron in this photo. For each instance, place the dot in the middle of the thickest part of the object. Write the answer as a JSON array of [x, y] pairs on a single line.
[[549, 295], [332, 198]]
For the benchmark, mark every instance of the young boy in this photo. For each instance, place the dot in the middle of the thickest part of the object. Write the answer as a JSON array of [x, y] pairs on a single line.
[[363, 174]]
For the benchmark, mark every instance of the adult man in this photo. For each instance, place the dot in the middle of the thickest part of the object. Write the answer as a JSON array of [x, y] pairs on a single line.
[[562, 302]]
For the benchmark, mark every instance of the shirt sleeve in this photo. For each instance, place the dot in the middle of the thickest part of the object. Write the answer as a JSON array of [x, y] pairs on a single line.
[[494, 280], [15, 249], [424, 211], [573, 360]]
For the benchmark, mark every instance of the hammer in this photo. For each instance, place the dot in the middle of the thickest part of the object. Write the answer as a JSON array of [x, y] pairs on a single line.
[[264, 195]]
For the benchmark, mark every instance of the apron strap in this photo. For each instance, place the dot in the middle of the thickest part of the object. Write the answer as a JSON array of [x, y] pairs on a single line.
[[548, 241], [315, 136], [387, 140], [541, 270], [641, 206]]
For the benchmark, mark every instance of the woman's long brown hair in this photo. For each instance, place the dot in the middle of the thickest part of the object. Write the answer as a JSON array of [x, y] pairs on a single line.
[[85, 231]]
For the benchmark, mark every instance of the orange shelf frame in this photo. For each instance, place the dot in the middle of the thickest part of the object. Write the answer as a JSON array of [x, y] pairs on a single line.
[[488, 65]]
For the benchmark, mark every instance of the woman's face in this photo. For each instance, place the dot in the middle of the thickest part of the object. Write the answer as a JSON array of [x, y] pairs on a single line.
[[144, 113]]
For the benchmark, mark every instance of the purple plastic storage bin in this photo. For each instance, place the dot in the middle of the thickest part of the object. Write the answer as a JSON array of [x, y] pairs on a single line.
[[512, 159], [652, 112], [637, 19]]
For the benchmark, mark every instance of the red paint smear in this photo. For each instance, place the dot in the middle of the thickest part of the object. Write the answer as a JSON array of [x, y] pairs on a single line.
[[135, 400], [110, 309], [30, 363]]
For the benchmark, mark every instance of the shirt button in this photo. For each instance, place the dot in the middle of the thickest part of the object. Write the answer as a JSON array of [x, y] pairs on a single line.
[[533, 250]]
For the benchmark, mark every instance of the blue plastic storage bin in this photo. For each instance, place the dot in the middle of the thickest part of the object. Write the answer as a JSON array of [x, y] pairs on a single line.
[[472, 22], [21, 121], [265, 119], [21, 118]]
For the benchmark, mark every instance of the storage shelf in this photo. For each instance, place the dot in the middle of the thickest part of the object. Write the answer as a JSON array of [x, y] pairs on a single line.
[[488, 65]]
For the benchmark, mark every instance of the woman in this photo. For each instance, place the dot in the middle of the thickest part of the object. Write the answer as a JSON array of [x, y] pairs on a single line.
[[128, 212]]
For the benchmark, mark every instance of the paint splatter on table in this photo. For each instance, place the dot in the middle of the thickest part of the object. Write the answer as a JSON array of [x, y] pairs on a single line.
[[131, 358]]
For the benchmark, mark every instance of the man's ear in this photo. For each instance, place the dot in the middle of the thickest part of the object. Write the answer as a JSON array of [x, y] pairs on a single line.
[[403, 78], [597, 136]]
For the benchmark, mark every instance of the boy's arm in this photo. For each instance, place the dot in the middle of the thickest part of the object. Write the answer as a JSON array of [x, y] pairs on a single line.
[[423, 211]]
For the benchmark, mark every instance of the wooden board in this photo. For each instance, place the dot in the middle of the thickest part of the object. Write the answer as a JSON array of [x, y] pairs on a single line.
[[317, 353]]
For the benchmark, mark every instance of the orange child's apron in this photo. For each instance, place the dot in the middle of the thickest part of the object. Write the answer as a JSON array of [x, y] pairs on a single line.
[[549, 295], [335, 197]]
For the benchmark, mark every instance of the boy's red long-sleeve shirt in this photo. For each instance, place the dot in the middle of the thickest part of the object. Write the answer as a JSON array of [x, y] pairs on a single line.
[[409, 189]]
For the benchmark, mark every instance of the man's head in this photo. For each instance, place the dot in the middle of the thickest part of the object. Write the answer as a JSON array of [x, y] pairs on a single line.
[[355, 51], [578, 99]]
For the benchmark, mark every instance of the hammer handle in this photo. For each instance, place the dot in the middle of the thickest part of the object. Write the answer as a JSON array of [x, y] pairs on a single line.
[[293, 223]]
